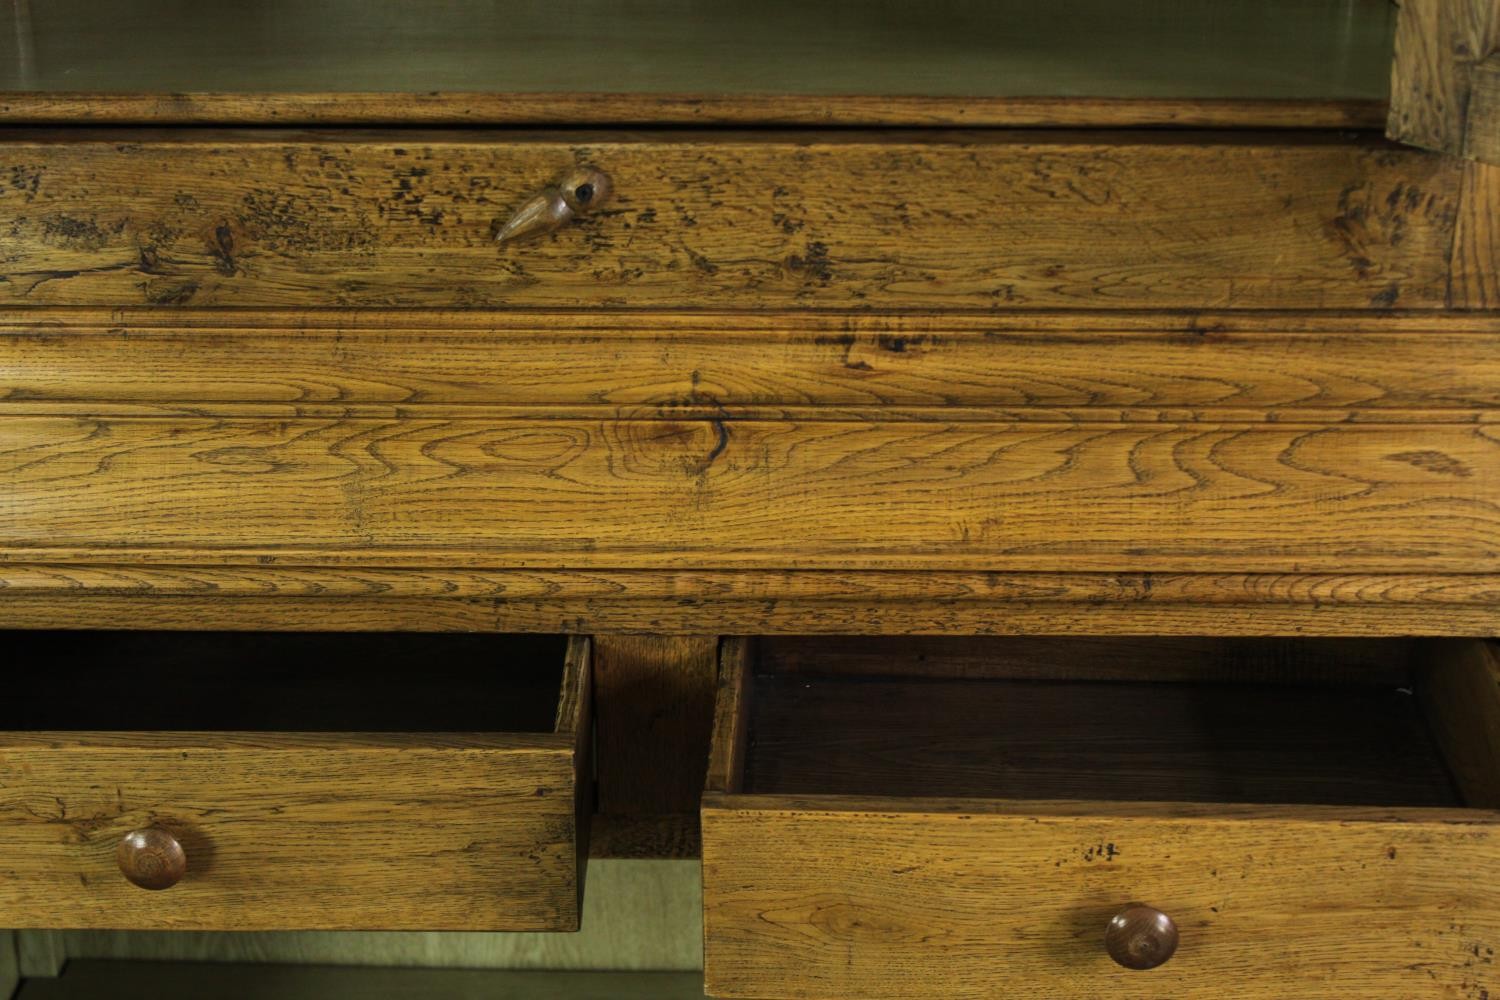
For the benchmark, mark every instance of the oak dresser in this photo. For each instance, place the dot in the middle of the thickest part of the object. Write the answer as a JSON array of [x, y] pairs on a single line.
[[1015, 490]]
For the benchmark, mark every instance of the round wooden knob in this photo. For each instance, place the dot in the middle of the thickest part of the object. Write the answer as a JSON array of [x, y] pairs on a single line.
[[151, 858], [1141, 937]]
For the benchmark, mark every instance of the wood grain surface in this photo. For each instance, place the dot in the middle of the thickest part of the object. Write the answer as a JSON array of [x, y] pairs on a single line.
[[988, 221], [301, 831], [1441, 47], [971, 900], [1099, 365], [894, 891], [738, 657], [873, 602], [1482, 128], [654, 717], [1251, 497], [1475, 281]]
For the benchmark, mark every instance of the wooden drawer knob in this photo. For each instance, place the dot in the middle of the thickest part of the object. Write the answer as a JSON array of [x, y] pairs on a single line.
[[554, 206], [1141, 937], [151, 858]]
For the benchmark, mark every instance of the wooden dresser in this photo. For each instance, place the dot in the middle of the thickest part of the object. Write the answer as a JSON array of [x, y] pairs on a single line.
[[1036, 469]]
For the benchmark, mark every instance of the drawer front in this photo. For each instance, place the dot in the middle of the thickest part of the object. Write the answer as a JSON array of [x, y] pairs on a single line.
[[971, 221], [817, 493], [973, 900], [290, 831], [947, 818]]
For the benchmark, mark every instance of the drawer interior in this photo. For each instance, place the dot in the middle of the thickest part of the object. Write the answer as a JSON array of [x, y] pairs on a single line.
[[282, 682], [1274, 721]]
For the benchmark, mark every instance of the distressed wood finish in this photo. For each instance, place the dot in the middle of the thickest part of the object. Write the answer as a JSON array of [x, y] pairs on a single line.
[[301, 831], [1236, 497], [977, 220], [726, 761], [1441, 85], [887, 896]]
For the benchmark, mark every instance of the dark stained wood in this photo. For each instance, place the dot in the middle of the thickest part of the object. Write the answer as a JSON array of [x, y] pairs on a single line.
[[1458, 682], [1140, 937], [1212, 659], [281, 682], [151, 858], [654, 717], [651, 837], [726, 762], [985, 221], [1111, 741]]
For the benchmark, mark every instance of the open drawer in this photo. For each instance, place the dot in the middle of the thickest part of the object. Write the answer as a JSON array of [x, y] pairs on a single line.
[[979, 818], [292, 781]]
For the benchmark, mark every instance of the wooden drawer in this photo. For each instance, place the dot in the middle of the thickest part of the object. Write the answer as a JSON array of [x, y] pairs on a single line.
[[963, 818], [311, 781], [981, 220]]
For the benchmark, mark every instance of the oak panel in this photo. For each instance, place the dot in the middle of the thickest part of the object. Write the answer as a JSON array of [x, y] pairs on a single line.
[[1266, 497], [669, 362], [978, 220], [827, 898], [301, 830]]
